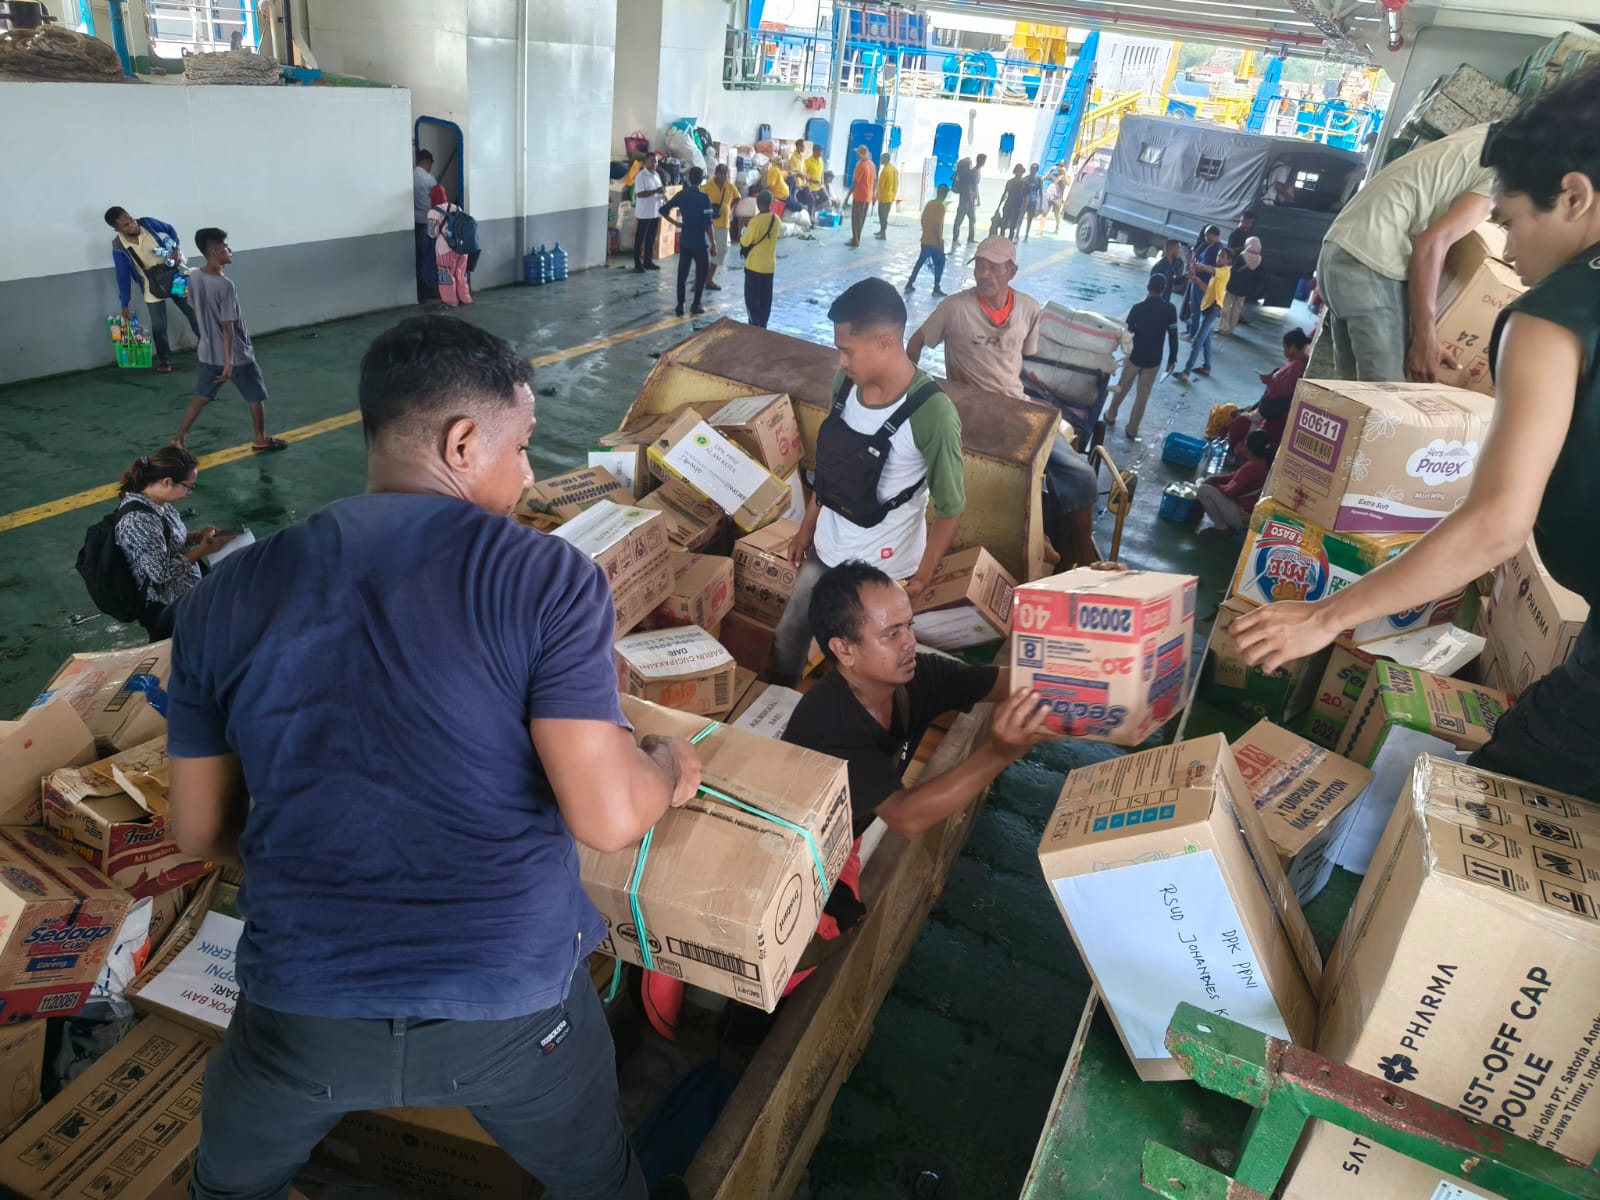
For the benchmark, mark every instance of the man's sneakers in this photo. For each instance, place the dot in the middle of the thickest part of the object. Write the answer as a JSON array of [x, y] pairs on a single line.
[[697, 311], [678, 311], [940, 292], [911, 287]]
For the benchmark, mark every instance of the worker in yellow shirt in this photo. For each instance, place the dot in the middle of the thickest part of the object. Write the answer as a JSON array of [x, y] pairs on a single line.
[[759, 245], [888, 192], [797, 161], [723, 194], [775, 183], [816, 191]]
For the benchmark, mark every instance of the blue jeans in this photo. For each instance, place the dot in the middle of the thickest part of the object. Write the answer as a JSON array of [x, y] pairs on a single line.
[[1202, 338], [930, 254], [158, 326], [1192, 296], [543, 1086]]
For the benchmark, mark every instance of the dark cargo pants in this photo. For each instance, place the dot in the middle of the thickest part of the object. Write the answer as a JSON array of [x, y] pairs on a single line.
[[543, 1086]]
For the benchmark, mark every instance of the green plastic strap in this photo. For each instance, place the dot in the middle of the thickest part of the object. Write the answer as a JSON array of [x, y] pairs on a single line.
[[644, 853], [616, 981]]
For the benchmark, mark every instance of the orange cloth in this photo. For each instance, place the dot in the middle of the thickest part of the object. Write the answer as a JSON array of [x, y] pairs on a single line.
[[864, 183]]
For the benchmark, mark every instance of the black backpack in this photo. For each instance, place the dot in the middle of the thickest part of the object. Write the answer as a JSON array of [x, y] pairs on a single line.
[[849, 464], [105, 568]]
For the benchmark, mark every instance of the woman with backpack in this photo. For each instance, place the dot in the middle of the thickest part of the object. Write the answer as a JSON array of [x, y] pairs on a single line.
[[162, 555], [450, 266]]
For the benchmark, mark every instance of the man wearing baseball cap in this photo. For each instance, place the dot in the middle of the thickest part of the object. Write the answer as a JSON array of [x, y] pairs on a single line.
[[986, 330]]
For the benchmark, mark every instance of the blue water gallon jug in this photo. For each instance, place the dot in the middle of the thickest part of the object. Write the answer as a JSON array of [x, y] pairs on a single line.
[[532, 268], [546, 265], [558, 264]]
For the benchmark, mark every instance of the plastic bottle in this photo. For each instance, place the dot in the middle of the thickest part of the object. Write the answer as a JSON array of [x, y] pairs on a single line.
[[558, 262], [547, 264], [532, 268]]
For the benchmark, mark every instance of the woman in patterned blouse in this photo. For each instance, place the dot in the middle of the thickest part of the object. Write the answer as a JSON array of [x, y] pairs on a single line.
[[163, 555]]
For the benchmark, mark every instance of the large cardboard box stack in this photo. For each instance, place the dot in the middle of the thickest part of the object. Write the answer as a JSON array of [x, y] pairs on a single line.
[[1288, 557], [128, 1127], [1108, 650], [1173, 891], [692, 451], [1466, 972], [111, 692], [565, 496], [729, 899], [1378, 458], [59, 919], [763, 579], [684, 668], [1304, 795], [1227, 682], [48, 737], [1530, 623], [630, 544], [1476, 288], [115, 814], [970, 604], [702, 591]]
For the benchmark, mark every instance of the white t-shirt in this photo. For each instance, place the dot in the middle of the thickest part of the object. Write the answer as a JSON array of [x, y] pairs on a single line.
[[1282, 173], [895, 544], [646, 208], [1406, 197]]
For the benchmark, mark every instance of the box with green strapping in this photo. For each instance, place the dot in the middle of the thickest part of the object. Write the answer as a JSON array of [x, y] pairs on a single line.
[[726, 892]]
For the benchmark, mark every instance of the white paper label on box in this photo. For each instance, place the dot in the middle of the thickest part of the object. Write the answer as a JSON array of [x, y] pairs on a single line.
[[619, 464], [796, 511], [1448, 1190], [1367, 817], [602, 525], [716, 468], [955, 628], [1439, 649], [200, 980], [769, 715], [674, 651], [746, 408], [1155, 933]]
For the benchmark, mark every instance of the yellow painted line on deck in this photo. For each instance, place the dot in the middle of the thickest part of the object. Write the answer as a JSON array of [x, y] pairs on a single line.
[[99, 495]]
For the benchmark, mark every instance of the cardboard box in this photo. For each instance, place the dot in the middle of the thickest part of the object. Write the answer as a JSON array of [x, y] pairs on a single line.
[[128, 1127], [685, 669], [693, 522], [720, 471], [1530, 621], [630, 544], [1343, 681], [970, 604], [110, 692], [1463, 714], [1465, 971], [192, 980], [1303, 794], [766, 710], [1109, 650], [1378, 458], [765, 428], [1475, 289], [748, 640], [21, 1068], [52, 736], [744, 685], [1228, 683], [566, 496], [798, 497], [427, 1151], [628, 465], [59, 918], [762, 577], [702, 591], [1173, 891], [1335, 1164], [115, 814], [729, 900], [1287, 557]]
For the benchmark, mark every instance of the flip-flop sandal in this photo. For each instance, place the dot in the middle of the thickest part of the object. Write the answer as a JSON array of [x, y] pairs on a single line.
[[163, 368], [273, 445]]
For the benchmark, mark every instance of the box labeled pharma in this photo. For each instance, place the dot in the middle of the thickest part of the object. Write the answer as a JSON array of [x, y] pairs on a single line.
[[1531, 622], [702, 591], [1287, 557], [765, 428], [728, 899], [1304, 795], [59, 918], [566, 496], [762, 577], [693, 522], [630, 544], [1173, 891], [1335, 1164], [1378, 457], [115, 814], [684, 668], [716, 468], [111, 692], [970, 604], [50, 737], [1108, 650], [1229, 683]]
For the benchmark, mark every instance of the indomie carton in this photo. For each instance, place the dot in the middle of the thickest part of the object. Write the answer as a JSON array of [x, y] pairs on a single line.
[[1108, 650]]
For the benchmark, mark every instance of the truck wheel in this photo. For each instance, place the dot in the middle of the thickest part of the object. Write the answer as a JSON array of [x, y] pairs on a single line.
[[1091, 232], [1144, 249]]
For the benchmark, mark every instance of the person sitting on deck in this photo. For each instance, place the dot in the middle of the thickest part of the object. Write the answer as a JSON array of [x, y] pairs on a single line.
[[1271, 412], [1228, 500]]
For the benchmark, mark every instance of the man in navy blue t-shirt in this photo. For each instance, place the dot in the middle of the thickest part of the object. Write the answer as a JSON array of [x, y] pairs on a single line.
[[695, 215], [399, 713]]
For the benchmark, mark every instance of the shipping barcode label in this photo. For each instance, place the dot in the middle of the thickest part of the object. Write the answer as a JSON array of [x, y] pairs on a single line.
[[719, 959], [1448, 1190]]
